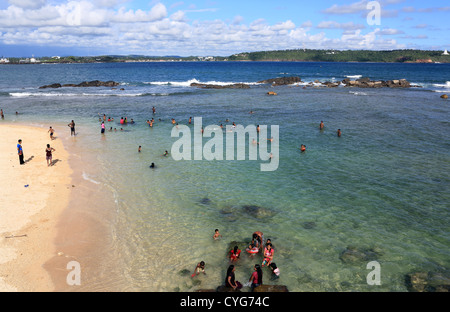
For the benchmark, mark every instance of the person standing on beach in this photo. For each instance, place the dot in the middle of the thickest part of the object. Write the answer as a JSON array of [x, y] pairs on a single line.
[[1, 114], [51, 130], [20, 152], [48, 155], [72, 127]]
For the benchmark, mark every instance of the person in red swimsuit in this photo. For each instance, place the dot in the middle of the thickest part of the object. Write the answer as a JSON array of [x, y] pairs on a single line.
[[235, 254]]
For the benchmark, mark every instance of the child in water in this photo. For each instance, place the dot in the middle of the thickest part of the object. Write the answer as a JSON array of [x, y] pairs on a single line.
[[200, 268], [216, 234]]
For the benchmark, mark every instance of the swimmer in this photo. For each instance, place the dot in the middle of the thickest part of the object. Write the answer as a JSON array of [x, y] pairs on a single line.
[[268, 255], [339, 133], [216, 234], [139, 149], [321, 126], [275, 269], [235, 254], [190, 120], [258, 237], [166, 153], [152, 166], [303, 148]]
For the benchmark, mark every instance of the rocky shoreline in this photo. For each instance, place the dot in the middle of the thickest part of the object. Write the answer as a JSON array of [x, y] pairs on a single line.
[[94, 83], [286, 81]]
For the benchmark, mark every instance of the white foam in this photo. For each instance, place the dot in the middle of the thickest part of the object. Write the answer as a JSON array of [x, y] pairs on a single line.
[[191, 81], [354, 76], [57, 94], [357, 93], [87, 178], [446, 85]]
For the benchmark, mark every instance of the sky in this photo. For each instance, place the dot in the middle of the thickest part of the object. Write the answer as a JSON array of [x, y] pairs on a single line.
[[218, 28]]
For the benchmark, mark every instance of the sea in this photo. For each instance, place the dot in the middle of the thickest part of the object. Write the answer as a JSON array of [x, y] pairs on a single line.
[[379, 192]]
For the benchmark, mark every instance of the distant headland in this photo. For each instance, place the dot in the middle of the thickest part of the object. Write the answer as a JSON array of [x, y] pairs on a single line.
[[295, 55]]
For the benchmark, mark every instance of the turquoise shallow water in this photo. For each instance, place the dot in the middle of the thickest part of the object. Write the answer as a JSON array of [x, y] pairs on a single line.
[[383, 185]]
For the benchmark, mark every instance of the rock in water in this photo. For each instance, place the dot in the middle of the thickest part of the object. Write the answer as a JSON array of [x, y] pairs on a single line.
[[95, 83], [309, 225], [258, 212], [353, 254], [271, 289], [282, 81], [205, 201], [444, 96], [428, 282], [54, 86]]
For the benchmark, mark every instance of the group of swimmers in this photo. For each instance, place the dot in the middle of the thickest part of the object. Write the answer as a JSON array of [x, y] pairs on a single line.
[[256, 246], [321, 128]]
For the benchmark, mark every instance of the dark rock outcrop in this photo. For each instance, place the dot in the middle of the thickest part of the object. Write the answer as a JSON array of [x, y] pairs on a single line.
[[367, 83], [94, 83], [282, 81], [54, 86]]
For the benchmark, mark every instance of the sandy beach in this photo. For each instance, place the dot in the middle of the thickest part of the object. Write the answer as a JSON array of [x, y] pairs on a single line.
[[32, 197]]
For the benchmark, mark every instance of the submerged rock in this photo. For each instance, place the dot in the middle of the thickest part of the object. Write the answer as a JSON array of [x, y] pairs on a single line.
[[185, 272], [271, 288], [258, 212], [428, 282], [205, 201], [352, 254], [309, 225]]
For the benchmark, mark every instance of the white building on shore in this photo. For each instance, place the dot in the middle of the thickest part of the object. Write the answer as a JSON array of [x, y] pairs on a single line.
[[445, 52], [4, 60]]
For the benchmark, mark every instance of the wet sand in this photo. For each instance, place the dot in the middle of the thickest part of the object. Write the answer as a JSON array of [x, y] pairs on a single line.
[[32, 198]]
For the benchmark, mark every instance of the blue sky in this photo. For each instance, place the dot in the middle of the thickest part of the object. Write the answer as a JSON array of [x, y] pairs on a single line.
[[208, 27]]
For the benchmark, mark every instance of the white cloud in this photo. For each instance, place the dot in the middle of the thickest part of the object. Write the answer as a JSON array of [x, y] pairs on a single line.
[[28, 4], [108, 26], [336, 25]]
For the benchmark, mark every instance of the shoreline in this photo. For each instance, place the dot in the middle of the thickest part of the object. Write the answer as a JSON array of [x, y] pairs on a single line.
[[66, 217], [29, 215]]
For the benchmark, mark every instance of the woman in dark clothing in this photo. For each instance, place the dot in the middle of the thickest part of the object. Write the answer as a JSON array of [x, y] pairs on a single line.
[[230, 279]]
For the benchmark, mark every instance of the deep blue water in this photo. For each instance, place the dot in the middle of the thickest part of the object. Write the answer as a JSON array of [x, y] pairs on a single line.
[[383, 185]]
